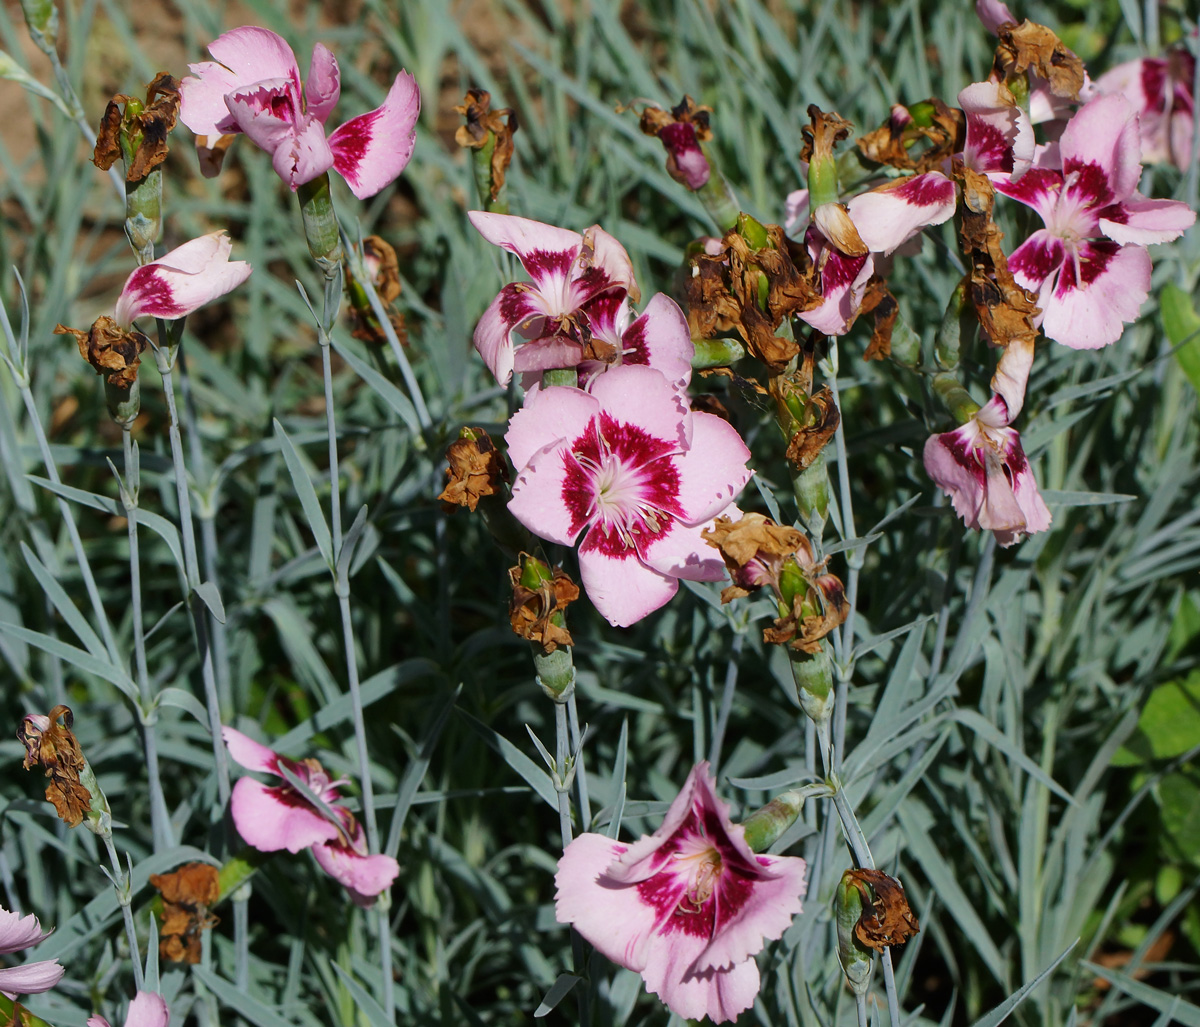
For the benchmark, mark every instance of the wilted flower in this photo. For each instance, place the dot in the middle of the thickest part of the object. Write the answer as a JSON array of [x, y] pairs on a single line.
[[681, 130], [137, 132], [20, 932], [273, 818], [687, 907], [1089, 265], [53, 746], [254, 87], [475, 469], [540, 597], [148, 1009], [187, 894], [886, 918], [630, 467]]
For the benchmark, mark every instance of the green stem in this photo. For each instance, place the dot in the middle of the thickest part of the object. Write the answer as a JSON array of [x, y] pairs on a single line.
[[121, 883]]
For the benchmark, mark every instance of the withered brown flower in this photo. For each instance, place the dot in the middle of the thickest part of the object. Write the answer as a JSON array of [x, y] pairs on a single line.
[[187, 894], [381, 264], [476, 469], [681, 130], [112, 350], [886, 917], [483, 124], [753, 549], [54, 746], [532, 611], [145, 127], [914, 145], [1033, 47]]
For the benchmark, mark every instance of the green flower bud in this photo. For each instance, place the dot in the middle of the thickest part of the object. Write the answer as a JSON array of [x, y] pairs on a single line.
[[716, 353], [813, 674], [855, 958], [321, 225], [765, 826]]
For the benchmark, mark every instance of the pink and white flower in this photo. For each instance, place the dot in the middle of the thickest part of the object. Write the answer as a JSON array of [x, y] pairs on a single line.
[[999, 137], [659, 337], [20, 932], [687, 907], [1089, 265], [629, 467], [253, 86], [148, 1009], [181, 281], [981, 465], [280, 817], [552, 314], [1160, 89]]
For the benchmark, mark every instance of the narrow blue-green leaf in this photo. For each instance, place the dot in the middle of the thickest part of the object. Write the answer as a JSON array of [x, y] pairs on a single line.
[[558, 991], [376, 1017], [210, 595], [1055, 498], [400, 404], [177, 697], [1184, 1012], [998, 740], [239, 1001], [75, 656], [534, 776], [307, 495], [62, 603]]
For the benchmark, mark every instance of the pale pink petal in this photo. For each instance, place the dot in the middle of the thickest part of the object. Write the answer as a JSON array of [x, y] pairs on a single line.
[[248, 753], [270, 819], [537, 245], [1009, 381], [685, 160], [894, 213], [202, 99], [493, 333], [179, 282], [843, 282], [554, 414], [999, 136], [148, 1009], [32, 978], [796, 210], [554, 351], [1139, 220], [364, 876], [1103, 135], [1029, 499], [719, 995], [681, 552], [638, 862], [950, 462], [324, 84], [1128, 80], [19, 932], [642, 396], [1037, 188], [622, 589], [538, 500], [713, 470], [371, 150], [1037, 259], [993, 14], [1091, 313], [610, 257], [269, 113], [254, 53], [97, 1021], [661, 339]]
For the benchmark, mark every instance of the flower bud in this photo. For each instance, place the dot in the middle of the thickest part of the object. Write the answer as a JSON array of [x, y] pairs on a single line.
[[41, 18], [124, 404], [813, 674], [320, 224], [765, 826], [716, 353], [856, 958]]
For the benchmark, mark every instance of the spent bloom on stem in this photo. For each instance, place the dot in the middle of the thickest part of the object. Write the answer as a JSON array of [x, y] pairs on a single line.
[[20, 932], [1089, 265], [551, 314], [253, 86], [686, 907], [639, 475], [148, 1009], [280, 817]]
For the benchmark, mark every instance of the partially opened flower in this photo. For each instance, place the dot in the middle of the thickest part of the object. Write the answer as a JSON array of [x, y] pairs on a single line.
[[687, 907], [659, 337], [549, 315], [629, 467], [20, 932], [1089, 265], [1160, 89], [253, 86], [281, 817], [148, 1009]]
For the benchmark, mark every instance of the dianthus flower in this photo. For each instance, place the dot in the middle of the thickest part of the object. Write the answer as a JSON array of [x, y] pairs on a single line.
[[687, 907], [148, 1009], [1089, 265], [253, 86], [550, 315], [1160, 89], [639, 475], [273, 818], [20, 932]]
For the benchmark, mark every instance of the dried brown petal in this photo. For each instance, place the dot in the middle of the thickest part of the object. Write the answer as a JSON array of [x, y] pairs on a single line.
[[531, 611], [187, 894], [914, 147], [146, 130], [110, 349], [54, 746], [381, 263], [886, 917], [483, 122], [211, 151], [108, 140], [753, 549], [806, 444], [878, 300], [823, 133], [476, 470], [1033, 47]]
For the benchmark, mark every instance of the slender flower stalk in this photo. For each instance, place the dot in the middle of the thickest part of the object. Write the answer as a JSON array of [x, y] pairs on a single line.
[[124, 899]]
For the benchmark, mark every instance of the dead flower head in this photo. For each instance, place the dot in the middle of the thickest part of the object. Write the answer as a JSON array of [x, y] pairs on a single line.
[[681, 130], [383, 268], [53, 746], [886, 917], [476, 469], [187, 894], [113, 351], [484, 124], [136, 131], [754, 549], [539, 599], [1030, 47]]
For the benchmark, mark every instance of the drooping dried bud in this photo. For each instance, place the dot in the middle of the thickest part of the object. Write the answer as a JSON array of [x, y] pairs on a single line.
[[1030, 47], [490, 134], [187, 894], [54, 747], [681, 130], [813, 433], [476, 469], [137, 131], [878, 300], [855, 957], [886, 917], [539, 601], [915, 138], [112, 350], [380, 263], [754, 549]]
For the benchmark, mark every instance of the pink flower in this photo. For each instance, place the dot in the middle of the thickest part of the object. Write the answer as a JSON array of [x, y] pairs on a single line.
[[551, 314], [1160, 89], [20, 932], [627, 465], [658, 338], [981, 465], [279, 817], [999, 137], [181, 281], [686, 907], [254, 87], [148, 1009], [1089, 265]]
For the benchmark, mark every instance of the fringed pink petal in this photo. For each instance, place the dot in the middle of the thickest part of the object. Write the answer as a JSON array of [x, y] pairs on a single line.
[[371, 150]]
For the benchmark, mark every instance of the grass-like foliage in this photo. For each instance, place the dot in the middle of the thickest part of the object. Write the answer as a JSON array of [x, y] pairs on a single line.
[[1019, 726]]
